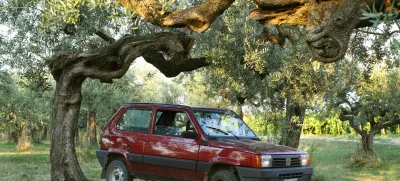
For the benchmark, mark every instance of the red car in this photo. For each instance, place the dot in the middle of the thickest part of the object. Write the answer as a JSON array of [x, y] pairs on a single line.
[[175, 142]]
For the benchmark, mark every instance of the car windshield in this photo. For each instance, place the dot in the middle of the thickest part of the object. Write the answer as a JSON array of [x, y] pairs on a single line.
[[222, 123]]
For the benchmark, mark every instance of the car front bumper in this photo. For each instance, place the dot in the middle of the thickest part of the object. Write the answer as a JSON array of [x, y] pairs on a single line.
[[275, 174]]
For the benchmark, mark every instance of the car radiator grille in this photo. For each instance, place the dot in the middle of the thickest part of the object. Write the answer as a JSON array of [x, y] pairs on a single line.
[[290, 175], [282, 162]]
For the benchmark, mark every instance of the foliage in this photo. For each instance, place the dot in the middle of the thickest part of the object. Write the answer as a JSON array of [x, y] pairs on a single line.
[[21, 107], [326, 123], [229, 78], [266, 125]]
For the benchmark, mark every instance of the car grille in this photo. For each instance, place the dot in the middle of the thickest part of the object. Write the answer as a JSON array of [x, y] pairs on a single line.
[[290, 175], [281, 162]]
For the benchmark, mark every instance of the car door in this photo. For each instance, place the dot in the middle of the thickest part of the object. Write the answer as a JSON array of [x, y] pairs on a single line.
[[167, 153], [133, 129]]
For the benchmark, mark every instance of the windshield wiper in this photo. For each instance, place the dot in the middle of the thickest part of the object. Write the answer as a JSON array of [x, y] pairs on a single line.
[[221, 131]]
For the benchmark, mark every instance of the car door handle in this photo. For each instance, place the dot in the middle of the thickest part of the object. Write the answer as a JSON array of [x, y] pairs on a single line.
[[147, 140]]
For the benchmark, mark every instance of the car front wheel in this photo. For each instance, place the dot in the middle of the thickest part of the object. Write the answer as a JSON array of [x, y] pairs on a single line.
[[224, 175], [117, 171]]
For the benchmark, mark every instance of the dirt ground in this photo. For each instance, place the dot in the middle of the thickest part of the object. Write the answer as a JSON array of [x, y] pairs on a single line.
[[395, 140]]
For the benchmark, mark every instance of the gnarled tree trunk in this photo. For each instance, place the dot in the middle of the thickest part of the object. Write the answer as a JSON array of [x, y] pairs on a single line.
[[67, 102], [106, 63], [294, 120], [367, 137], [367, 141]]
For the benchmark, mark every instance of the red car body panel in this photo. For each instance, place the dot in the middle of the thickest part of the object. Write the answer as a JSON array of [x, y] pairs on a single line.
[[171, 147]]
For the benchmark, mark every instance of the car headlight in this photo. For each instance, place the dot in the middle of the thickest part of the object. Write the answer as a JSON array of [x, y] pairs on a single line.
[[266, 161], [305, 160]]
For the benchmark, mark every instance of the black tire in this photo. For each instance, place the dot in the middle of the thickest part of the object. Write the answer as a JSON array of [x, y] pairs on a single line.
[[224, 175], [117, 171]]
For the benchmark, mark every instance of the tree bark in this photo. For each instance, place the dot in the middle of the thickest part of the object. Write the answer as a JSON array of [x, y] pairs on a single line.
[[367, 141], [87, 133], [294, 120], [197, 18], [240, 111], [64, 164], [106, 63], [24, 137], [92, 126]]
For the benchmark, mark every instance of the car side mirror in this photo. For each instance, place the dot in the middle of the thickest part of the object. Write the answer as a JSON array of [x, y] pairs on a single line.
[[189, 134]]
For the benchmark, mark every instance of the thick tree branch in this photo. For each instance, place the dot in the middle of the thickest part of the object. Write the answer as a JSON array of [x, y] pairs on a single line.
[[158, 60], [198, 18], [167, 52], [350, 118], [328, 41], [388, 122]]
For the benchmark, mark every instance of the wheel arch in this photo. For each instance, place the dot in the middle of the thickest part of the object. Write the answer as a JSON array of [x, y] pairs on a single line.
[[220, 166], [109, 158]]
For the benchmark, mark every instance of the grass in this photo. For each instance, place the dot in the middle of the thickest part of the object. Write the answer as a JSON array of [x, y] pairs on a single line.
[[330, 159], [35, 164]]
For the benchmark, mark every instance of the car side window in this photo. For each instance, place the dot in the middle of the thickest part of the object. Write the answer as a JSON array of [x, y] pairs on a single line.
[[172, 123], [137, 120]]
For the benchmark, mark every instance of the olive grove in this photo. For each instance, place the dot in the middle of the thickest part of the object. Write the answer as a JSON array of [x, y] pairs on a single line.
[[77, 55]]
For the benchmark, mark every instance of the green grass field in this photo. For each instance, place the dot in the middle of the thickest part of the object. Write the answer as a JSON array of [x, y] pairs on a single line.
[[330, 160], [35, 164]]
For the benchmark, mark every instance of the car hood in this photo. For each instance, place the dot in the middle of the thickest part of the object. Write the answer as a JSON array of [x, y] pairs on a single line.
[[254, 146]]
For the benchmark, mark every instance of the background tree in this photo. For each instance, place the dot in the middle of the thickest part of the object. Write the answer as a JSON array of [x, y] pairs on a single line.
[[24, 112], [367, 87]]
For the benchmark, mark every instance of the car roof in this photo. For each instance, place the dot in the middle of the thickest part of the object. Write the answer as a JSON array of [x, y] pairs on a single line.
[[176, 106]]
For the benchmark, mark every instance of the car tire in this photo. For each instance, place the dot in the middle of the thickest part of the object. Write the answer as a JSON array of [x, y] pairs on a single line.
[[117, 171], [224, 175]]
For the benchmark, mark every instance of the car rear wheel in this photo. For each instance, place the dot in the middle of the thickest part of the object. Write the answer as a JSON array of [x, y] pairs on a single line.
[[224, 175], [117, 171]]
